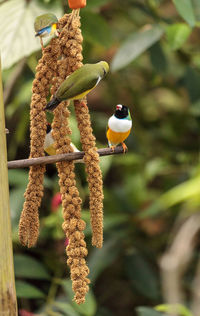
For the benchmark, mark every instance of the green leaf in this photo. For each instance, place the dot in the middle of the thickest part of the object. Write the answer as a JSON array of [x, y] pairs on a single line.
[[180, 193], [95, 29], [18, 177], [147, 311], [90, 305], [16, 202], [102, 258], [135, 45], [186, 11], [111, 221], [174, 309], [105, 164], [191, 81], [195, 109], [196, 6], [49, 182], [26, 290], [177, 34], [142, 276], [75, 137], [95, 3], [17, 36], [154, 167], [103, 311], [66, 309], [158, 58], [30, 268]]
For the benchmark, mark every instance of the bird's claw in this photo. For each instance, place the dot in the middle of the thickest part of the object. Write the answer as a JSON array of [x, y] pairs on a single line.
[[125, 148], [112, 148]]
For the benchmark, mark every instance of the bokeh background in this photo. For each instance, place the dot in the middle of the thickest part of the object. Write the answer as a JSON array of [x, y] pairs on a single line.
[[152, 47]]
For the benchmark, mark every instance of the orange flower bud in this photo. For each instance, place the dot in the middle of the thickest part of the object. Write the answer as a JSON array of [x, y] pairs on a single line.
[[77, 4]]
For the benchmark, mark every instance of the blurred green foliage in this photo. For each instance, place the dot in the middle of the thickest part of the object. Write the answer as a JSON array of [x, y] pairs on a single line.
[[180, 309], [153, 48]]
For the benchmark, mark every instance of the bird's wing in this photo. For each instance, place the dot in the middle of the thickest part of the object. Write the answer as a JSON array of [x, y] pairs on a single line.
[[64, 88], [107, 129], [44, 31], [72, 88], [89, 83]]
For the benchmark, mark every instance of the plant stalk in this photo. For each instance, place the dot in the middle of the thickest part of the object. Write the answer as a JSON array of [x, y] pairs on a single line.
[[8, 302]]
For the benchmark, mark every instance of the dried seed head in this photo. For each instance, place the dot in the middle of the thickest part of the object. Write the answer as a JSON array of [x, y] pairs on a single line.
[[29, 220]]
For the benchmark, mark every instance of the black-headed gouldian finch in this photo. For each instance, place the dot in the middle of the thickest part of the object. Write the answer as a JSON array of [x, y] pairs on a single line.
[[49, 144], [46, 24], [79, 83], [119, 127]]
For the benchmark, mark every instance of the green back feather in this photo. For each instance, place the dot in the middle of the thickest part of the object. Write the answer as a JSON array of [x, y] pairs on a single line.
[[44, 20], [83, 79]]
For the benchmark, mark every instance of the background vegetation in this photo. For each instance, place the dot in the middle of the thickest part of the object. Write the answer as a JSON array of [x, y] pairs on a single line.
[[153, 49]]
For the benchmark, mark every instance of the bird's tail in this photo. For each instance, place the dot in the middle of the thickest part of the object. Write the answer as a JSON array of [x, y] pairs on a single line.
[[52, 104]]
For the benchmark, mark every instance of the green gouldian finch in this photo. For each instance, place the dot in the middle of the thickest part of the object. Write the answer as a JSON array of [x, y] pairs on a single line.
[[119, 126], [79, 83], [46, 24], [49, 144]]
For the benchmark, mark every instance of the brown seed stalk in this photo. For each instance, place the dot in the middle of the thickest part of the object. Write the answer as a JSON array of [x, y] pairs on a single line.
[[71, 202], [29, 220], [93, 170]]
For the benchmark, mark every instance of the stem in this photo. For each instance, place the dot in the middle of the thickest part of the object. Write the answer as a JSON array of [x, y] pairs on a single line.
[[8, 303]]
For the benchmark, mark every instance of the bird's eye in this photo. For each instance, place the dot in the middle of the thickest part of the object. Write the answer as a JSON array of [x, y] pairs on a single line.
[[104, 72]]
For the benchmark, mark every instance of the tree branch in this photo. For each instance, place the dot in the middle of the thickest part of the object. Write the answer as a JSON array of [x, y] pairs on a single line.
[[24, 163]]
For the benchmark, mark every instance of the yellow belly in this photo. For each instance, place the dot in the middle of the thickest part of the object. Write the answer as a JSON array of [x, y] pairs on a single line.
[[53, 29], [50, 150], [115, 138], [81, 96]]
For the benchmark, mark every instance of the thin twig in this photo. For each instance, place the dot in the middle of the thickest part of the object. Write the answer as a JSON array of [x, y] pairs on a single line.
[[24, 163]]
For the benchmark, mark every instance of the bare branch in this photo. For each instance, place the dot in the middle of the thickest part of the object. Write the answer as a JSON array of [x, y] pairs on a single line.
[[24, 163]]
